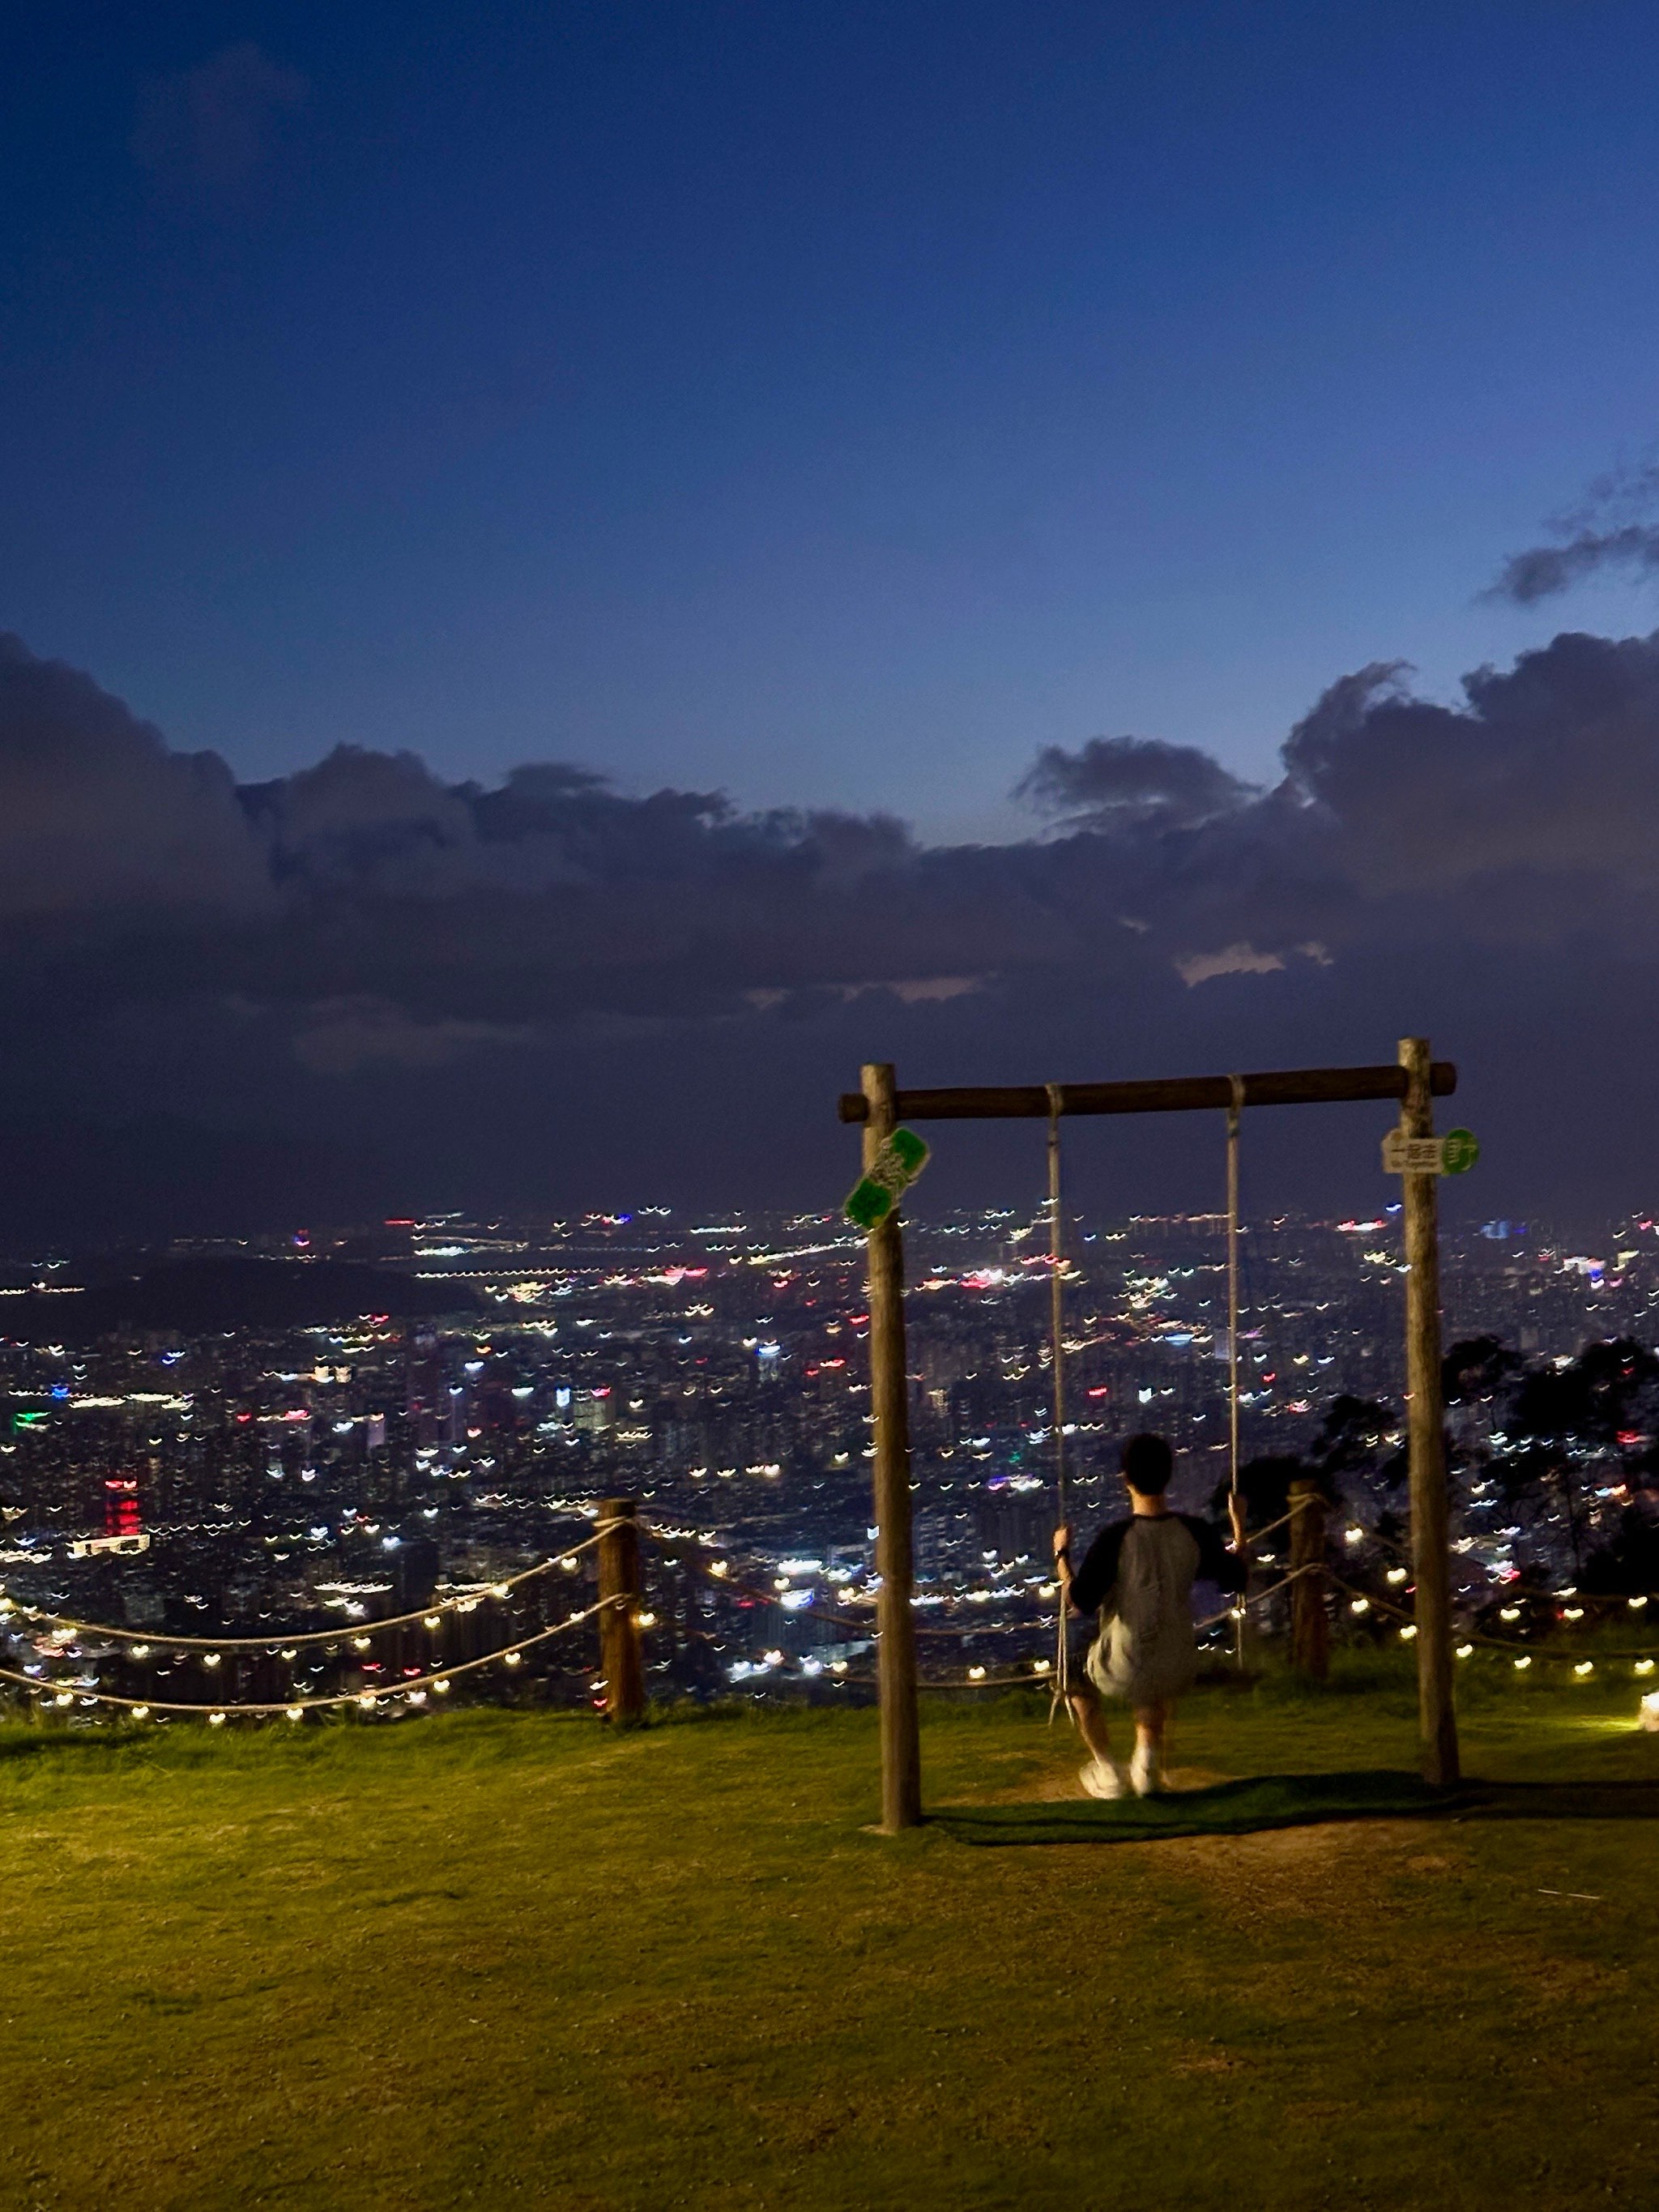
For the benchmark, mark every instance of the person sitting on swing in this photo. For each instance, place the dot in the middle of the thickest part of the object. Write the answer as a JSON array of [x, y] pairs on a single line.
[[1138, 1576]]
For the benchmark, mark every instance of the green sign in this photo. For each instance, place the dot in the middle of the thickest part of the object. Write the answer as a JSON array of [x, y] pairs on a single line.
[[891, 1173], [1459, 1151], [1454, 1153]]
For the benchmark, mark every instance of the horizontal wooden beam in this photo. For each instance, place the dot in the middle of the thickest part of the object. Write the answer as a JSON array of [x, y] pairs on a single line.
[[1181, 1094]]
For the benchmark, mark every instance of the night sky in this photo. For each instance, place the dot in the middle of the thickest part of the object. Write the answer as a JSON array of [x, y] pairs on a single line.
[[570, 573]]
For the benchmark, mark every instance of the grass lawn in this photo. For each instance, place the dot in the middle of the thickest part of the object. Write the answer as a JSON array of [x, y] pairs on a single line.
[[494, 1958]]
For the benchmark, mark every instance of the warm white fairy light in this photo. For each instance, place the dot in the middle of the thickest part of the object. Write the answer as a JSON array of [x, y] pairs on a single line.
[[1041, 1666], [141, 1712], [1572, 1613], [296, 1712], [441, 1686], [1636, 1603], [289, 1652], [1408, 1632], [211, 1658], [1464, 1650], [1359, 1605], [366, 1701], [976, 1674], [1651, 1711], [216, 1720], [1584, 1667], [1396, 1575], [360, 1643], [1644, 1666], [646, 1620], [140, 1650], [1521, 1665], [433, 1620], [1508, 1612], [513, 1658]]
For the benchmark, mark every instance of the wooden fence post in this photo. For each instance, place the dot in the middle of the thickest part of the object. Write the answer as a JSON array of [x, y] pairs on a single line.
[[620, 1659], [1427, 1433], [1311, 1626], [889, 1389]]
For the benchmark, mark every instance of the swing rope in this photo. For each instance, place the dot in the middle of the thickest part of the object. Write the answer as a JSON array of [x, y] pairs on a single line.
[[1060, 1695], [1235, 1113], [1062, 1668]]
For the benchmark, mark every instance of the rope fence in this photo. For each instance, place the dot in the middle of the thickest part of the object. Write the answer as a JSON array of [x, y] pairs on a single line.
[[626, 1602]]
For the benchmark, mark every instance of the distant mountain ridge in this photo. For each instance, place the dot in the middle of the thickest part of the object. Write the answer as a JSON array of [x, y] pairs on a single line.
[[199, 1295]]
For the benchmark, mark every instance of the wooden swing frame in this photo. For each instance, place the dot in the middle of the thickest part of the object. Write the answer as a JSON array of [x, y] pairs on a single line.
[[1415, 1081]]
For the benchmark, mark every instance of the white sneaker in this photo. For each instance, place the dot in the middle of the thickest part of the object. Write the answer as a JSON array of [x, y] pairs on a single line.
[[1146, 1772], [1104, 1778]]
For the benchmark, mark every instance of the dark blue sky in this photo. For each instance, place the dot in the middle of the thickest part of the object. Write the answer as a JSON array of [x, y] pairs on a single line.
[[834, 402]]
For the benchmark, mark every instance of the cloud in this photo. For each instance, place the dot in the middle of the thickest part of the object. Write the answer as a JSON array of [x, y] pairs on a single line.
[[1122, 782], [95, 811], [342, 1036], [548, 990], [1609, 530], [214, 124]]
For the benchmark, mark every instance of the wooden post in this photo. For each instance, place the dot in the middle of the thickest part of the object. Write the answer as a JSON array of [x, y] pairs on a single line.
[[619, 1630], [1427, 1433], [1311, 1626], [895, 1659]]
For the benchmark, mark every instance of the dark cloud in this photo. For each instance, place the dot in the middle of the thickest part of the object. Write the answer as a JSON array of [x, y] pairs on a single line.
[[96, 812], [1609, 530], [213, 124], [550, 991], [1113, 783]]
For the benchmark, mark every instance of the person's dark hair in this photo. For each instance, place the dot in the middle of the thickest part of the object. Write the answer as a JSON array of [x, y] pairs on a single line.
[[1148, 1463]]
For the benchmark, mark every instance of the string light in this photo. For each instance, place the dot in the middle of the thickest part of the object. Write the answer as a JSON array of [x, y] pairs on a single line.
[[1464, 1650], [1573, 1613], [290, 1653], [210, 1658], [513, 1658], [976, 1674], [441, 1686], [1584, 1667], [140, 1650], [141, 1712], [1360, 1605], [296, 1712], [1636, 1603], [1408, 1632], [367, 1700], [433, 1620], [1508, 1612], [1521, 1665], [216, 1720], [646, 1620], [1644, 1665], [360, 1643], [1651, 1711], [1396, 1574]]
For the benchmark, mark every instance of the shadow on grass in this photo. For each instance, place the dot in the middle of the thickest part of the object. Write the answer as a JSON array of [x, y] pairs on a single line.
[[1293, 1801]]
